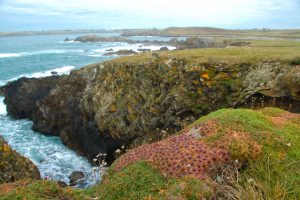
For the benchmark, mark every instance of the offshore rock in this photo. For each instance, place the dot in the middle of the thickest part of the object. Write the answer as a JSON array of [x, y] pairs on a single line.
[[122, 52]]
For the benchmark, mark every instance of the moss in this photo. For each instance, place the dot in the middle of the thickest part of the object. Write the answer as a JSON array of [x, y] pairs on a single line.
[[295, 61], [272, 112], [134, 182], [33, 190], [141, 181]]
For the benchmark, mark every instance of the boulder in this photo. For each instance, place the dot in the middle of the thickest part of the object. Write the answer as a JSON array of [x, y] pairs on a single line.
[[164, 49], [75, 176]]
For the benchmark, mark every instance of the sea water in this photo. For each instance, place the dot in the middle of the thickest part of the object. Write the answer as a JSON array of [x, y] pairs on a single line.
[[38, 56]]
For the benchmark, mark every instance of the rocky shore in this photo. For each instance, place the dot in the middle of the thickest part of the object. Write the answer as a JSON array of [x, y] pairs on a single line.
[[104, 106]]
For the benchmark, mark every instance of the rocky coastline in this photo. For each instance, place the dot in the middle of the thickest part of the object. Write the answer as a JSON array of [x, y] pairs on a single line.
[[101, 107]]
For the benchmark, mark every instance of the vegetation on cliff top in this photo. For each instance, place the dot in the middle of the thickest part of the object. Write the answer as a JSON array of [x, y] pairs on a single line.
[[259, 51], [263, 149]]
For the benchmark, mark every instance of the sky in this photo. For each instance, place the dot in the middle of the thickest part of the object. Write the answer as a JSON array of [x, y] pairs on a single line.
[[25, 15]]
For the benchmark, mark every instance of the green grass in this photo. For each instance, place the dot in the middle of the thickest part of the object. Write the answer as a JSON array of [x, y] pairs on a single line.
[[38, 190], [134, 182], [141, 181], [137, 181]]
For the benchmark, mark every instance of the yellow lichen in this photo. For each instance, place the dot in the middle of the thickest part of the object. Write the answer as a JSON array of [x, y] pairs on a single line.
[[205, 76]]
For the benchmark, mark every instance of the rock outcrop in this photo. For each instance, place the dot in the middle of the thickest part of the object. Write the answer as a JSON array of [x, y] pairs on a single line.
[[13, 166], [22, 95], [123, 52]]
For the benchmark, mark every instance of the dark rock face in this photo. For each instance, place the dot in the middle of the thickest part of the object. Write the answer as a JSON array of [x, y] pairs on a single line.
[[60, 114], [21, 96], [13, 166]]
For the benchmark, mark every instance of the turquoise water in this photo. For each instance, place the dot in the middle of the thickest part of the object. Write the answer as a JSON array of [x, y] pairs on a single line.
[[30, 54], [38, 56]]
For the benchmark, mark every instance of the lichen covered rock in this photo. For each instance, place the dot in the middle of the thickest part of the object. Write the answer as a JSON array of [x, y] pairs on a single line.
[[13, 166]]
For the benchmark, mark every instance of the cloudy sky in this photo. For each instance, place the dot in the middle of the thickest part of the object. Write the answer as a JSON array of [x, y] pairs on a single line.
[[16, 15]]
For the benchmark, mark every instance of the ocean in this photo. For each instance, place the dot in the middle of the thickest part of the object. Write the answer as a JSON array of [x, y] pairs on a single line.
[[38, 56]]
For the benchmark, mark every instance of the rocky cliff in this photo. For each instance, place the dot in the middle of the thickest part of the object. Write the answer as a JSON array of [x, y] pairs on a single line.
[[139, 99]]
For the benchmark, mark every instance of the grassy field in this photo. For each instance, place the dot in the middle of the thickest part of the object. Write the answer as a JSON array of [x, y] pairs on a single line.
[[259, 50], [214, 32]]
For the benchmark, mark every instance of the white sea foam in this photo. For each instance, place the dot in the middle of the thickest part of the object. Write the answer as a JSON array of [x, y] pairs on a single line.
[[48, 51], [3, 110], [9, 55], [57, 71], [69, 41], [136, 47]]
